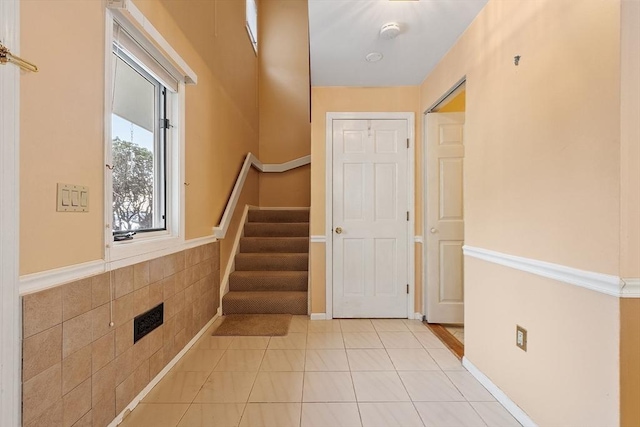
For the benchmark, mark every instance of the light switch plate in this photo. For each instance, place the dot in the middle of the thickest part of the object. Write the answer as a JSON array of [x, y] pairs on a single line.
[[73, 198]]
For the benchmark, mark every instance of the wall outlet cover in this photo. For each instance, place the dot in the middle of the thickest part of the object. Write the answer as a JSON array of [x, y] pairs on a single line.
[[521, 337]]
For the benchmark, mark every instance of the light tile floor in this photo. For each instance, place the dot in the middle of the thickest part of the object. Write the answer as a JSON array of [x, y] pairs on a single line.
[[353, 373]]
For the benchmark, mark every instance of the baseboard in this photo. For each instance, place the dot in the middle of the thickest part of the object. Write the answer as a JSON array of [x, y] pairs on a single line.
[[131, 406], [318, 316], [418, 316], [235, 249], [318, 239], [500, 396]]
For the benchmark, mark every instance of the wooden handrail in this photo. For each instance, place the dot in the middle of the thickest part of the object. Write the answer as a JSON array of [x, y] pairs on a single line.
[[250, 161]]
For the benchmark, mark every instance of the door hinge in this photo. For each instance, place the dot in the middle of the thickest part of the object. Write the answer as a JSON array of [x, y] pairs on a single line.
[[407, 288], [407, 142], [165, 124], [407, 215]]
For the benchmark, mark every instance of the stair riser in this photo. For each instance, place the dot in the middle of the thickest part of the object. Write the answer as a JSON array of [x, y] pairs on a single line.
[[255, 305], [249, 262], [267, 284], [276, 230], [278, 216], [291, 245]]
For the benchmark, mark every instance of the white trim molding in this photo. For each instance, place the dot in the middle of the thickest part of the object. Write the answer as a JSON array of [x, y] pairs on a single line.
[[36, 282], [418, 316], [10, 312], [630, 287], [500, 396], [318, 316], [235, 249], [418, 239], [250, 161], [318, 239], [132, 19], [603, 283], [131, 406]]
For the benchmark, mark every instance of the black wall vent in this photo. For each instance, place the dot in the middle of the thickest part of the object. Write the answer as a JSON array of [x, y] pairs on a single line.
[[147, 322]]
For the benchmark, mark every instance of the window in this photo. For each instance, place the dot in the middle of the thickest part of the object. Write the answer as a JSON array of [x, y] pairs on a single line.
[[144, 136], [139, 139], [252, 22]]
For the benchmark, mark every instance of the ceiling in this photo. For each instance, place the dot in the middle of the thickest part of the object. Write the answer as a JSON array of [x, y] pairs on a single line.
[[343, 32]]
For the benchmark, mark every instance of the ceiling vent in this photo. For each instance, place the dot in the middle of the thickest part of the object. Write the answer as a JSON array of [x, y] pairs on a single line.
[[389, 31]]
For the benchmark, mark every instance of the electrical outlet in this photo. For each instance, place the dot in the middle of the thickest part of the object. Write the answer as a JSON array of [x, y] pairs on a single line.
[[521, 337]]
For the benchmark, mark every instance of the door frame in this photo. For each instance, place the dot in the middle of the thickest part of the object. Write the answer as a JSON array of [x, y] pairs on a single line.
[[10, 313], [425, 201], [330, 117]]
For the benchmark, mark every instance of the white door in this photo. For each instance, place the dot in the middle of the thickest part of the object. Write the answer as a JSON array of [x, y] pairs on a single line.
[[370, 197], [444, 218]]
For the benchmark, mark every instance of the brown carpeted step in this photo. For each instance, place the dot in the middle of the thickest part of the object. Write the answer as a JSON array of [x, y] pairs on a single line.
[[272, 262], [265, 281], [265, 303], [284, 229], [274, 244], [279, 215]]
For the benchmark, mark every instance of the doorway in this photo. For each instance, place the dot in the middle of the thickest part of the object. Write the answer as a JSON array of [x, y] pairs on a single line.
[[444, 215], [369, 215]]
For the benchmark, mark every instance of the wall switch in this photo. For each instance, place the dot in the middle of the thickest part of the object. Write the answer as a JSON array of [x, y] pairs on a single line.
[[521, 337], [73, 198]]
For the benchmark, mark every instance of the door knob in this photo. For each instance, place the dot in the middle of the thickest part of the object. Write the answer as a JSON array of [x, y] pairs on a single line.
[[338, 230], [433, 231]]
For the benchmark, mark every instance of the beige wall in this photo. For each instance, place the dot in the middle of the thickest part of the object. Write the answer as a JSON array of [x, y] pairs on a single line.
[[630, 140], [542, 180], [547, 184], [351, 99], [569, 374], [283, 46], [62, 110]]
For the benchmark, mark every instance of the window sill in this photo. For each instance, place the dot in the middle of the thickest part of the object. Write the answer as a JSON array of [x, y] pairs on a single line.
[[141, 246]]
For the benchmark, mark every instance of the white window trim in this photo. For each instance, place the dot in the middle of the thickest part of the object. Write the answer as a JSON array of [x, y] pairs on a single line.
[[132, 20]]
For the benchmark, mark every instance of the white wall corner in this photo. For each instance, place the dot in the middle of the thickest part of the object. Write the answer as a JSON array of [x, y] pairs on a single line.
[[500, 396], [235, 249]]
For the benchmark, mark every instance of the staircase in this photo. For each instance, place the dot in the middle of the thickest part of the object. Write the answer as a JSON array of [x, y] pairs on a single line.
[[271, 270]]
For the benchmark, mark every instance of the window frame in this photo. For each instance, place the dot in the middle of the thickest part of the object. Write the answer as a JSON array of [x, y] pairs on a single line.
[[125, 14], [161, 142], [253, 38]]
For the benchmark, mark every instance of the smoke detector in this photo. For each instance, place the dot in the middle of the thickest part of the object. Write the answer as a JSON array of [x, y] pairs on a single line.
[[389, 31]]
